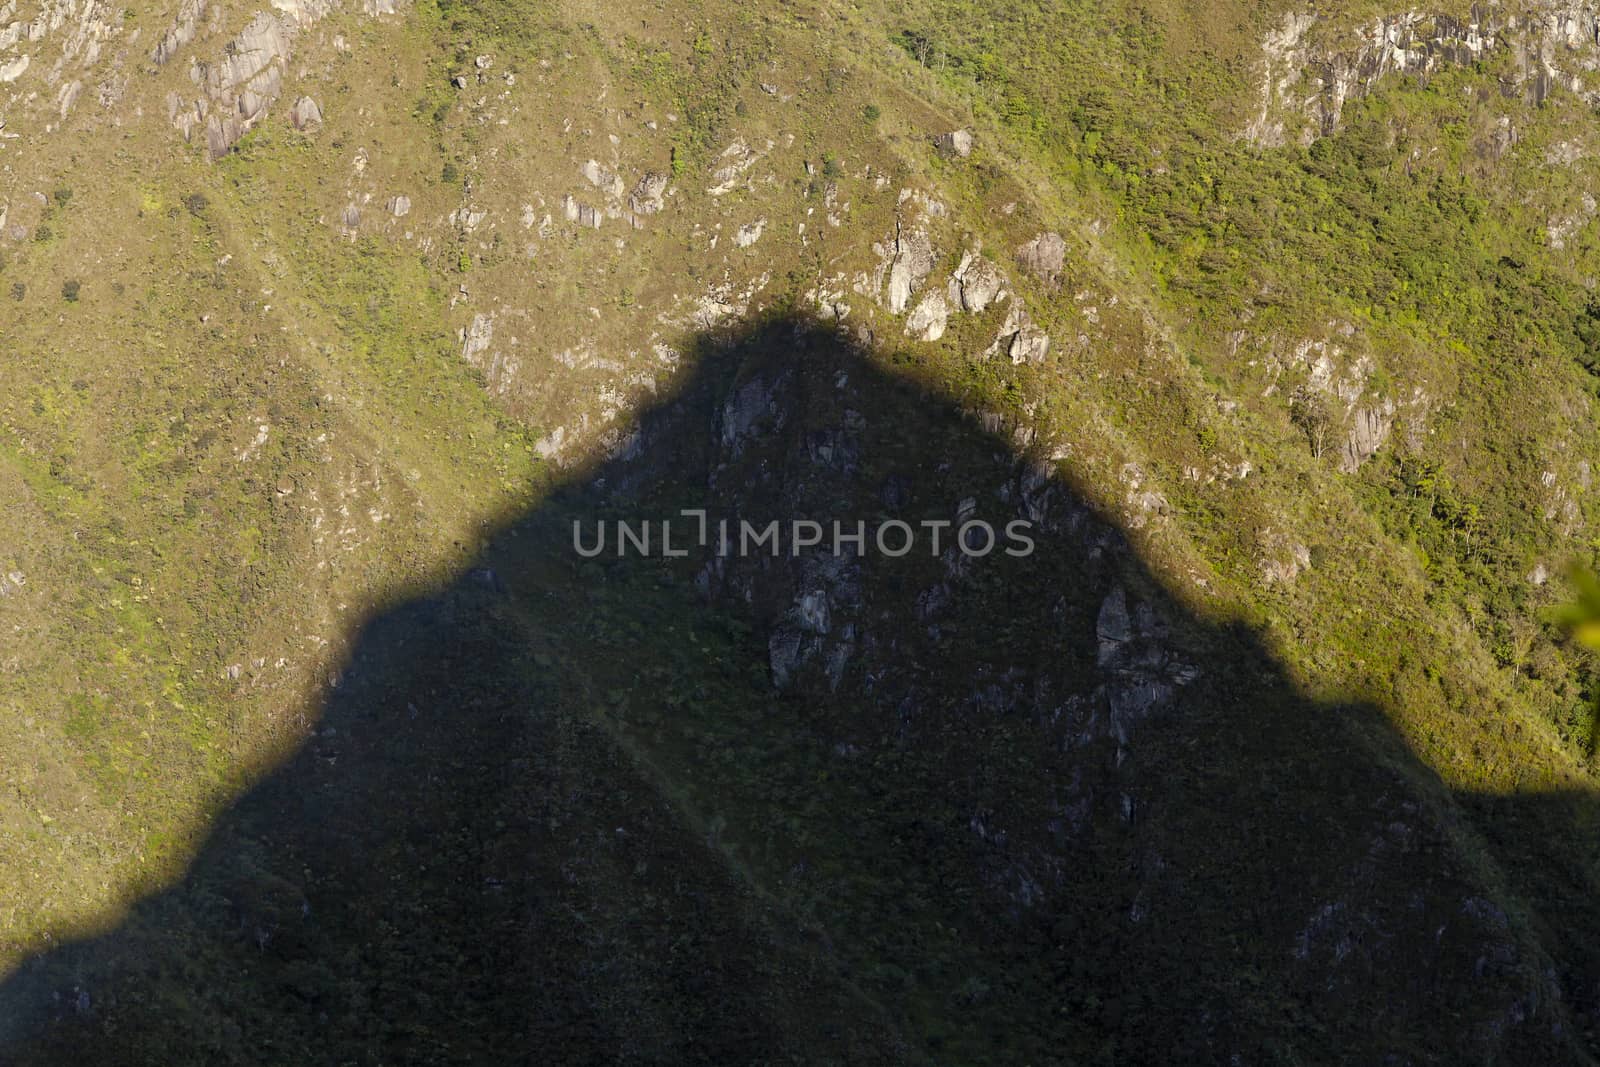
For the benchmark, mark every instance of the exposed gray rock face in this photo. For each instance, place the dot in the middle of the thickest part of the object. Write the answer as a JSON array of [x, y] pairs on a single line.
[[81, 26], [238, 88], [927, 322], [67, 96], [476, 337], [1141, 674], [350, 218], [784, 654], [1369, 429], [1113, 627], [749, 409], [749, 233], [303, 12], [1044, 256], [955, 143], [1020, 338], [1306, 81], [184, 27], [582, 214], [602, 179], [500, 366], [1281, 559], [649, 195], [731, 166], [1030, 344], [975, 284], [816, 628], [305, 113], [11, 582], [400, 206], [913, 261]]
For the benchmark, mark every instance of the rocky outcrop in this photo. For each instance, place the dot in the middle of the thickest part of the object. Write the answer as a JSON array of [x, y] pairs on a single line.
[[1310, 70], [955, 143], [927, 321], [1142, 675], [649, 195], [475, 339], [184, 27], [731, 166], [749, 233], [746, 412], [1280, 558], [305, 114], [1044, 256], [1020, 338], [607, 181], [1369, 430], [975, 284], [910, 264], [583, 214], [81, 26], [237, 89], [812, 631]]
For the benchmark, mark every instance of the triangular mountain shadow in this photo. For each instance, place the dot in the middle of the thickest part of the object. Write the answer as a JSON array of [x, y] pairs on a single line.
[[826, 808]]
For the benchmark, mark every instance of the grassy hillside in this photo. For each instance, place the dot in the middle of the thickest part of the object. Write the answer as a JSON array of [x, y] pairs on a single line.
[[1318, 393]]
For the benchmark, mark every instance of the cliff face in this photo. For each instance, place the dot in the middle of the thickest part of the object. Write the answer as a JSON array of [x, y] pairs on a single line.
[[1311, 68], [326, 322]]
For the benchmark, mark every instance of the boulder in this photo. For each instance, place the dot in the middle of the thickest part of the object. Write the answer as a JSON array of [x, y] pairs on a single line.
[[975, 284], [182, 31], [606, 181], [749, 234], [1019, 338], [912, 262], [649, 195], [955, 143], [1044, 256], [927, 322], [731, 165], [1029, 345], [477, 336], [1369, 430], [305, 113]]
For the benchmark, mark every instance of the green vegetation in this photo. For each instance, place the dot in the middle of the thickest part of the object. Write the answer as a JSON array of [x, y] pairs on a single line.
[[284, 492]]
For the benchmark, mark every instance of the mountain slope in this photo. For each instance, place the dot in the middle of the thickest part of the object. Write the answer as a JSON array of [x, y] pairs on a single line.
[[1281, 324]]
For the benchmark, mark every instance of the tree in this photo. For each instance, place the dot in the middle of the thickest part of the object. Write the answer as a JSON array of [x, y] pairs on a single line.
[[1308, 409], [1582, 620]]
